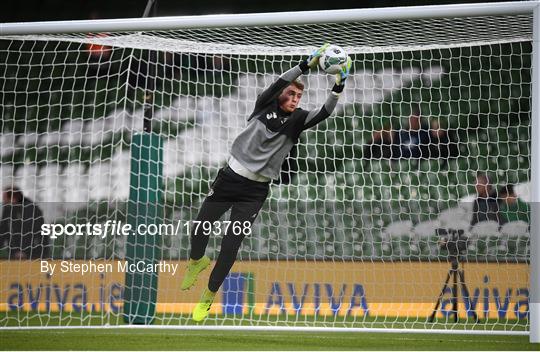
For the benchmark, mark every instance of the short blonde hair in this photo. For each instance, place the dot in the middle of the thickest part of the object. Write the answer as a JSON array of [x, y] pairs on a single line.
[[298, 84]]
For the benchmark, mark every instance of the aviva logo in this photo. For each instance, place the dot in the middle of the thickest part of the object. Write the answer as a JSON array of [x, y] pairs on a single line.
[[352, 298], [238, 291], [318, 295], [494, 302]]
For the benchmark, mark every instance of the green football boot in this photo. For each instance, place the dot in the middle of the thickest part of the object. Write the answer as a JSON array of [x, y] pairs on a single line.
[[193, 270], [201, 309]]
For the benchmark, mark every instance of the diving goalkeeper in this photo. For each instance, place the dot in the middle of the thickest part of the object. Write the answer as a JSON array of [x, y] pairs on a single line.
[[257, 154]]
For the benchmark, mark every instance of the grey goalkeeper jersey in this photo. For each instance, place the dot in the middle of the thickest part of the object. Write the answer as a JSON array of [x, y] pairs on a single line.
[[271, 132]]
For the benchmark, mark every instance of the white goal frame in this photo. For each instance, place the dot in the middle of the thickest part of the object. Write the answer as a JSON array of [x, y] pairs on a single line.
[[366, 15]]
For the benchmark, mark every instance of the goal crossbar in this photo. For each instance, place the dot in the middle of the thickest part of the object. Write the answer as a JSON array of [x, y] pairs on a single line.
[[268, 19]]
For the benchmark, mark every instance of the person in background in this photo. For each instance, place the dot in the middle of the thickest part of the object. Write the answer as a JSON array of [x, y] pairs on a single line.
[[409, 143], [20, 226], [485, 205], [511, 208], [418, 141], [442, 144]]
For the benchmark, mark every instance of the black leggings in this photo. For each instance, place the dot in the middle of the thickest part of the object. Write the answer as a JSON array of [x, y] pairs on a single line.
[[245, 197]]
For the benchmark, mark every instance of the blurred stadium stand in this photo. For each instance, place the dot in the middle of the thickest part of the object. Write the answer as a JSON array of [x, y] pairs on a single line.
[[87, 158]]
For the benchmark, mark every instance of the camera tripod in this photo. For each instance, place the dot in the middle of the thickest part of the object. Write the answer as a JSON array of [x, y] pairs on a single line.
[[458, 276]]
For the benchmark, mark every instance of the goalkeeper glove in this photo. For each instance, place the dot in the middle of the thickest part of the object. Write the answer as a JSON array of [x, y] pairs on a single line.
[[344, 73], [342, 76], [313, 60]]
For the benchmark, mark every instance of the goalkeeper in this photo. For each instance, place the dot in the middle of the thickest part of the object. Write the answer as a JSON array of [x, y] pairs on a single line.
[[257, 154]]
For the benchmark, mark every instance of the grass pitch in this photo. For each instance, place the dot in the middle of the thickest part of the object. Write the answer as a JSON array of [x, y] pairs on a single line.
[[74, 332], [167, 339]]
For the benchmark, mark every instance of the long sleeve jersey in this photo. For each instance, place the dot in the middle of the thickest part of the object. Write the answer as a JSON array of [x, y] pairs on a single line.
[[271, 132]]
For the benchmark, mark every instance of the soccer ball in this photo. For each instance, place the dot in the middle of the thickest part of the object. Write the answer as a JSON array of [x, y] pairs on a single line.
[[333, 59]]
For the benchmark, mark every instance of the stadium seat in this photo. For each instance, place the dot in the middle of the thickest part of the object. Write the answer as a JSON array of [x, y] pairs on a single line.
[[209, 142], [50, 139], [7, 144], [398, 231], [432, 74], [514, 233], [122, 120], [424, 232], [95, 246], [523, 191], [95, 132], [120, 175], [28, 140], [455, 218], [236, 108], [72, 132], [244, 82], [314, 98], [515, 228], [49, 192], [466, 203], [48, 187], [99, 181], [181, 110], [75, 185], [26, 180], [481, 234], [70, 247], [171, 165], [6, 176]]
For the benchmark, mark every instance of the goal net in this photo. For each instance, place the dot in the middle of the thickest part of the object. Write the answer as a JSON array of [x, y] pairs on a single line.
[[425, 159]]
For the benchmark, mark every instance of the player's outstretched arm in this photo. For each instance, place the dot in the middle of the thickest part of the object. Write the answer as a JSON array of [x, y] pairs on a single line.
[[287, 77], [316, 116]]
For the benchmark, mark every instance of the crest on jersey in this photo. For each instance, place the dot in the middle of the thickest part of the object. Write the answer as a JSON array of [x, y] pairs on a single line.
[[271, 115]]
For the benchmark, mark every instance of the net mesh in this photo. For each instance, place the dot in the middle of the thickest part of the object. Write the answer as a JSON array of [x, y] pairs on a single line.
[[347, 237]]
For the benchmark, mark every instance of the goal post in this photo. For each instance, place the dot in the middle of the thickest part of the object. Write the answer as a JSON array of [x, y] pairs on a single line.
[[145, 207], [349, 237], [535, 170]]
